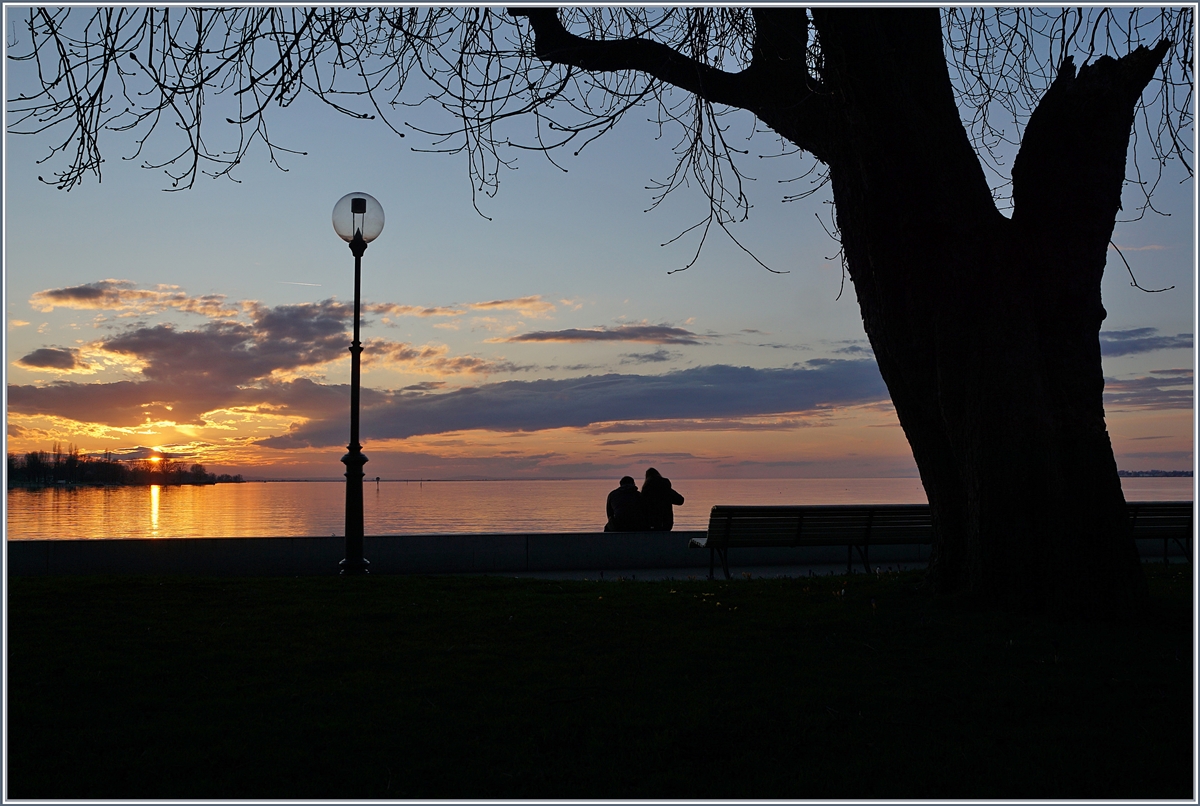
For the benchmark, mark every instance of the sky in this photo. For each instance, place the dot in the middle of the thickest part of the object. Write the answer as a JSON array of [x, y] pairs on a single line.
[[548, 337]]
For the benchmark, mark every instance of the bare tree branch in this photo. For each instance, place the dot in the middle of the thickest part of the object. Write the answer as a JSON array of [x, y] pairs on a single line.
[[540, 80], [553, 43]]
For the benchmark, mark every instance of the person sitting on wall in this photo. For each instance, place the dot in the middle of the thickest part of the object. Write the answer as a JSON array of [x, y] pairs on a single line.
[[625, 512], [657, 500]]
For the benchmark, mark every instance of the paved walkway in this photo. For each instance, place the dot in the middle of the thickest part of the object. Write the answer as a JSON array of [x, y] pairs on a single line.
[[698, 574]]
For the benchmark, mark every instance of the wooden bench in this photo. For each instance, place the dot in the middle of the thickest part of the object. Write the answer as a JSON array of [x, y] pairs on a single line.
[[855, 526], [1168, 520], [860, 526]]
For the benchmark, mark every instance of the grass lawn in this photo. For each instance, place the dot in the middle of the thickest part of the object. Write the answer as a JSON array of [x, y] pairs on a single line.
[[453, 687]]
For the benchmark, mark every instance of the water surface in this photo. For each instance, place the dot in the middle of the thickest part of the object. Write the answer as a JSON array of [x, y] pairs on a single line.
[[288, 509]]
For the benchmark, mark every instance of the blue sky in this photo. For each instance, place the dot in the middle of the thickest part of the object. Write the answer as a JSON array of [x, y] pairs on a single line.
[[548, 339]]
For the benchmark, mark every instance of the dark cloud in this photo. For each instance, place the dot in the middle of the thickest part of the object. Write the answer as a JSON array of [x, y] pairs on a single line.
[[287, 337], [655, 357], [124, 295], [434, 359], [718, 424], [855, 347], [83, 293], [649, 334], [119, 295], [125, 403], [1177, 458], [1141, 340], [224, 364], [53, 358], [187, 373], [711, 392], [773, 345], [1161, 389], [778, 346]]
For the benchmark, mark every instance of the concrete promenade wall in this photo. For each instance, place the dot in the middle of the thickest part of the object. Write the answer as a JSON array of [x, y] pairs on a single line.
[[412, 554], [431, 554]]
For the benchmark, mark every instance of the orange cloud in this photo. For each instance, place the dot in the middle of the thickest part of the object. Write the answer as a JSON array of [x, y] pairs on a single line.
[[122, 295], [532, 306]]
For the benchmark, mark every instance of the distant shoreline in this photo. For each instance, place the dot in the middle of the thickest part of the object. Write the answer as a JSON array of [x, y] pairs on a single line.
[[30, 485]]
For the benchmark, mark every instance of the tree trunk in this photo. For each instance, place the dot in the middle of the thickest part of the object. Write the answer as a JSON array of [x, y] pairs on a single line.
[[986, 328]]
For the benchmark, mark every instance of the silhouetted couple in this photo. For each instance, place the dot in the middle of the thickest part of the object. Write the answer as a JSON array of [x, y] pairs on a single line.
[[646, 511]]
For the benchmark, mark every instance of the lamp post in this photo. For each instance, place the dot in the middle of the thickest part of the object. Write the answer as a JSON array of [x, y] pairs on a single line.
[[358, 220]]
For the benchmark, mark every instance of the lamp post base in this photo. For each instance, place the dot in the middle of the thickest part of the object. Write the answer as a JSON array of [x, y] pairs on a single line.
[[354, 562]]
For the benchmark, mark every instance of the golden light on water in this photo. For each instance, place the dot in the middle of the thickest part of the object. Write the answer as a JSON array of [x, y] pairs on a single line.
[[155, 490]]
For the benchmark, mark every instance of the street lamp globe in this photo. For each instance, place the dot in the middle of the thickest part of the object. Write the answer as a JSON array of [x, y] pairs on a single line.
[[358, 213]]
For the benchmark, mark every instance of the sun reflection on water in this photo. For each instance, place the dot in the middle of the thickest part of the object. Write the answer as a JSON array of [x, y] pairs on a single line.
[[154, 493]]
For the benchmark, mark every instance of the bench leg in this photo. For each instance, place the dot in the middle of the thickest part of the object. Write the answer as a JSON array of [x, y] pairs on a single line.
[[862, 554], [712, 554], [1185, 547]]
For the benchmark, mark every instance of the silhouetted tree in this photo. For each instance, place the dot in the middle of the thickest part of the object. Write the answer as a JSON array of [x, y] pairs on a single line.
[[984, 325], [41, 467], [38, 469]]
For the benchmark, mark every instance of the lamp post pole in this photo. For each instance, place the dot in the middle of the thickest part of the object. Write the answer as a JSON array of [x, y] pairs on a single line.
[[357, 219], [354, 563]]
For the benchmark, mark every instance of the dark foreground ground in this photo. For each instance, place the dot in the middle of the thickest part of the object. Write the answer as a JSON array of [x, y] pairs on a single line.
[[402, 687]]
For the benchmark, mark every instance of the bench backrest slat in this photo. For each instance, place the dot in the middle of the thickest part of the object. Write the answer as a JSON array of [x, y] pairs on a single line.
[[778, 525], [829, 523], [1162, 519]]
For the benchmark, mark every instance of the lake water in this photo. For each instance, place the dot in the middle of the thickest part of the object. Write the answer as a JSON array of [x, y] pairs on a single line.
[[295, 508]]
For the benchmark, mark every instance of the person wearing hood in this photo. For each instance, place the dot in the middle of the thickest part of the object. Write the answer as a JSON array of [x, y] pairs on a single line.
[[625, 511], [657, 500]]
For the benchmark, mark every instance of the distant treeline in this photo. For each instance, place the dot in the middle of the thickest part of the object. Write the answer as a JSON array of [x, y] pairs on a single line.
[[1141, 474], [39, 468]]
